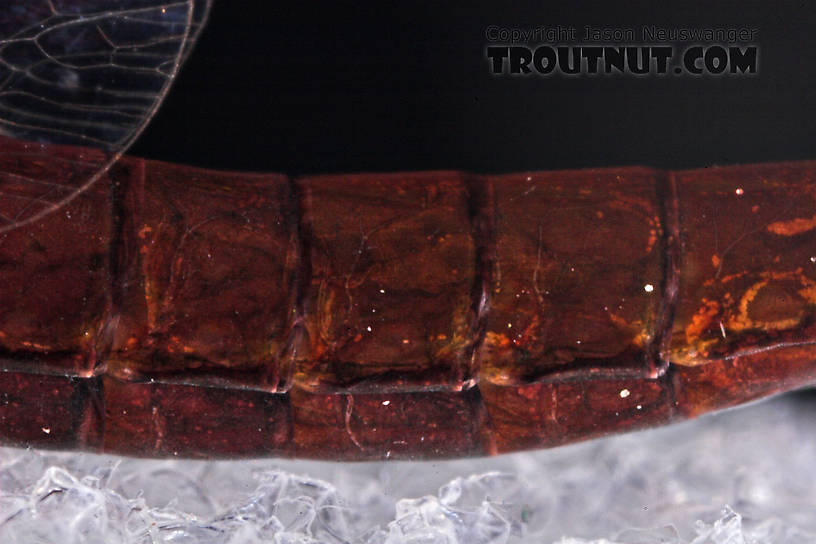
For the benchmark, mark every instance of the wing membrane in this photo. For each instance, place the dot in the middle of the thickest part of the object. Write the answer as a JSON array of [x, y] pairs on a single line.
[[88, 73]]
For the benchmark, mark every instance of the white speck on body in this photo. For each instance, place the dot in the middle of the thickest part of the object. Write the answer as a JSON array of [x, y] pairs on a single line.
[[648, 287], [386, 402], [46, 430], [624, 393]]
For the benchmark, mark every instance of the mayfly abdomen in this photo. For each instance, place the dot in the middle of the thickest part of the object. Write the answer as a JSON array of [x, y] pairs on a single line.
[[183, 311], [366, 283]]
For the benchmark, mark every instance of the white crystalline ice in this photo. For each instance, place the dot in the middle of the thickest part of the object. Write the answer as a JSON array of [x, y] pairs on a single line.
[[740, 477], [726, 530]]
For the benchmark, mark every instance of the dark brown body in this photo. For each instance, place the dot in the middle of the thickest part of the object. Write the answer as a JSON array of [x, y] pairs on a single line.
[[176, 311]]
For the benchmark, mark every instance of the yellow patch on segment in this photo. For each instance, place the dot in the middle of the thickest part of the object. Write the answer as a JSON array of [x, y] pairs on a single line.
[[808, 292], [497, 340], [742, 321], [702, 320], [776, 301], [793, 226], [791, 311], [641, 335], [643, 338], [715, 261]]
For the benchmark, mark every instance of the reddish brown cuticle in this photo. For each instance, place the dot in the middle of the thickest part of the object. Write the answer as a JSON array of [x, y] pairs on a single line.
[[178, 311]]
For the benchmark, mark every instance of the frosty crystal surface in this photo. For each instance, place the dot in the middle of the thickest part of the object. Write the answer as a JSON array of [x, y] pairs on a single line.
[[670, 486]]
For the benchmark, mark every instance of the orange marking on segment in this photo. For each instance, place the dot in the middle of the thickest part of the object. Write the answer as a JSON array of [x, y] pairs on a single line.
[[652, 240], [792, 227], [702, 320]]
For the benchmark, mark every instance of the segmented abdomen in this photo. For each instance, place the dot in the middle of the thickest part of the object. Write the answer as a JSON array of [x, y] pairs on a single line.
[[418, 314]]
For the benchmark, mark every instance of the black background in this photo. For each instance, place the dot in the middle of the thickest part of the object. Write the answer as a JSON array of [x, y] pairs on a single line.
[[332, 87]]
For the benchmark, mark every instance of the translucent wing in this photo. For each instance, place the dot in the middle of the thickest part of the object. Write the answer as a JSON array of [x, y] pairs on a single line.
[[87, 73]]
